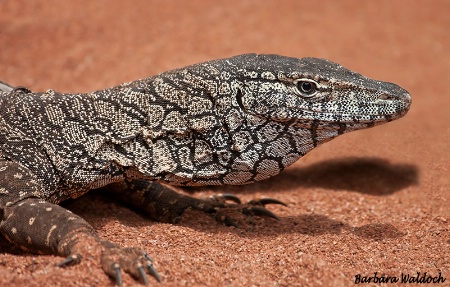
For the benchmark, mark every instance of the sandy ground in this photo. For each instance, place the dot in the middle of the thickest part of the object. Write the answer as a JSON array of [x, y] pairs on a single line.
[[370, 201]]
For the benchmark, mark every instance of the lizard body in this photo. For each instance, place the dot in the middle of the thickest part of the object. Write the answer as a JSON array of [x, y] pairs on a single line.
[[229, 121]]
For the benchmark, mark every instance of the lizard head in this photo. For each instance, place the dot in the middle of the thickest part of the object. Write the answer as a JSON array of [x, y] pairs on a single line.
[[284, 107], [317, 92]]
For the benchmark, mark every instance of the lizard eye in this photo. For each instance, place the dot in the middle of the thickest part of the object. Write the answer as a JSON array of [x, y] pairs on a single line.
[[306, 87]]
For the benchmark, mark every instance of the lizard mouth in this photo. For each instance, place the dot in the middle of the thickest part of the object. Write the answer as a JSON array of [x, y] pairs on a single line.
[[378, 111]]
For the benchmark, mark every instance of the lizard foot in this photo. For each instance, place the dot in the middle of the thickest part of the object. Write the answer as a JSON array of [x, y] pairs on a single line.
[[163, 204], [114, 259], [255, 207], [134, 261]]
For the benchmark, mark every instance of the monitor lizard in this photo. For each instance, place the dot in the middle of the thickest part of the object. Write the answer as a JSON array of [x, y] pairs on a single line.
[[224, 122]]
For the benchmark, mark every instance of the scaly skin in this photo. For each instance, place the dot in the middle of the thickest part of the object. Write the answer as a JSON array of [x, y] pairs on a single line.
[[230, 121]]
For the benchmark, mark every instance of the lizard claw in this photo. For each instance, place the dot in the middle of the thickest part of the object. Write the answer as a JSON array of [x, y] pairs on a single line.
[[117, 274], [70, 260], [264, 201], [152, 271], [114, 271], [148, 257], [255, 207], [259, 211], [224, 197], [142, 275]]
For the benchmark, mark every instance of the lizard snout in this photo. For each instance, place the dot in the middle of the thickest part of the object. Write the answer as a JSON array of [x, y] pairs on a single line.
[[394, 92]]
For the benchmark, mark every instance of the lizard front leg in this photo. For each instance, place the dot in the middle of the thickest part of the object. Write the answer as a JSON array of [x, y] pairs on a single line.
[[163, 204], [42, 227]]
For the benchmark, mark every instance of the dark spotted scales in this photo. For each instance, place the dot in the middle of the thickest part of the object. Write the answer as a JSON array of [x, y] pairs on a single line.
[[230, 121]]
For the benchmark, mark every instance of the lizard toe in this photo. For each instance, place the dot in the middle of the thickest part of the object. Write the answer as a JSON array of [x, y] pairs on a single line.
[[265, 201], [112, 269], [70, 260], [225, 219], [223, 197], [142, 275], [222, 206], [152, 271], [222, 216]]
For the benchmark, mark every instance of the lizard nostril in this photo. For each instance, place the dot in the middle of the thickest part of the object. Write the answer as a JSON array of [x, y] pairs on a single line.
[[401, 96], [386, 97]]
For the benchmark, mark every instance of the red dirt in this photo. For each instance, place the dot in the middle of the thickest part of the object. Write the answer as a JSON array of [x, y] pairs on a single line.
[[370, 201]]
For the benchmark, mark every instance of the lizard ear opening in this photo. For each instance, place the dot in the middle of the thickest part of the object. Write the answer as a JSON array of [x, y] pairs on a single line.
[[239, 99]]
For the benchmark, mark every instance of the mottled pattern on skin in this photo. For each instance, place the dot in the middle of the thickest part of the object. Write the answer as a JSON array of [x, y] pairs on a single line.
[[230, 121]]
